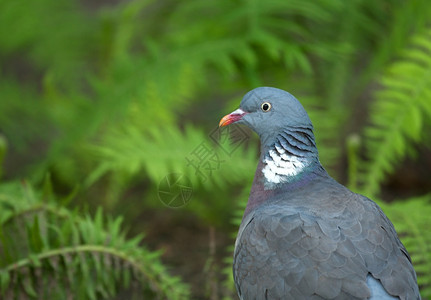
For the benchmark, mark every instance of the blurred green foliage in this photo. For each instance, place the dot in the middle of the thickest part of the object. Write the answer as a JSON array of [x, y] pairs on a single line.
[[50, 252], [110, 98]]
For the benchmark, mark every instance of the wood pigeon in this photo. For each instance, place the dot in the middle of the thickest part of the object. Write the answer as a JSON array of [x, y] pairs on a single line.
[[303, 235]]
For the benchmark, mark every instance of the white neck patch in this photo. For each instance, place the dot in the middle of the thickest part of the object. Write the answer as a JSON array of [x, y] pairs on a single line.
[[282, 166]]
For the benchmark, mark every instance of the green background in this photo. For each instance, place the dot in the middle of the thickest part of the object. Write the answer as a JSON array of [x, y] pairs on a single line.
[[102, 101]]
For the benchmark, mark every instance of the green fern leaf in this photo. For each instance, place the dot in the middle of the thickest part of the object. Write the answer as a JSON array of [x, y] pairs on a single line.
[[397, 114], [411, 220], [85, 264]]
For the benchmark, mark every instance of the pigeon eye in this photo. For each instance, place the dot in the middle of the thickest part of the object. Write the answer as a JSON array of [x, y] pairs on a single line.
[[266, 106]]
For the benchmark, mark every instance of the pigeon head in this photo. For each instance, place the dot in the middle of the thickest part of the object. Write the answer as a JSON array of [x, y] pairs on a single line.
[[284, 128], [269, 111]]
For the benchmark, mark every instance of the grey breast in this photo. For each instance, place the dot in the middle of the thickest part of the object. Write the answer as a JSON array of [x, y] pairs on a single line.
[[323, 245]]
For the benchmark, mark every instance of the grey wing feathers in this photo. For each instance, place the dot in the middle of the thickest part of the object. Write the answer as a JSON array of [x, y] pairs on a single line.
[[291, 253]]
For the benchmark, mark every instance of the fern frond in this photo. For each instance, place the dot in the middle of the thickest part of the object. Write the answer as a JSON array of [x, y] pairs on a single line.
[[412, 222], [162, 151], [395, 33], [56, 255], [398, 112]]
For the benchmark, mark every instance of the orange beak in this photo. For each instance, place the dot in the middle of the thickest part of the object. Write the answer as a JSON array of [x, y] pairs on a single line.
[[232, 117]]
